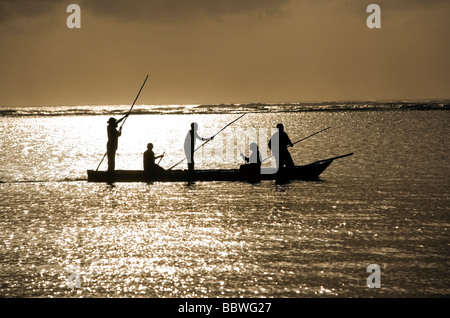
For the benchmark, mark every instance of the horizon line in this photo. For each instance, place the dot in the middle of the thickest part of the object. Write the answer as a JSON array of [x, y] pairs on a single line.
[[247, 103]]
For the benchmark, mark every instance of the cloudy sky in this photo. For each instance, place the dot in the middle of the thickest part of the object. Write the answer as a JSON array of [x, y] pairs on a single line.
[[222, 51]]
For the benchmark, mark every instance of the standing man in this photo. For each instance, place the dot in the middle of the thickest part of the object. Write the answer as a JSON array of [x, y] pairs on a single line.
[[113, 140], [189, 145], [278, 144]]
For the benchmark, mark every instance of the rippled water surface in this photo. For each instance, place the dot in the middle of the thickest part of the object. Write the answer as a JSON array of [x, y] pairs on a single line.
[[388, 204]]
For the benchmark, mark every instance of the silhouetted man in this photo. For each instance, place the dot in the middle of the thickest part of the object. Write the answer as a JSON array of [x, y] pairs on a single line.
[[113, 140], [149, 161], [255, 158], [278, 144], [254, 161], [189, 145]]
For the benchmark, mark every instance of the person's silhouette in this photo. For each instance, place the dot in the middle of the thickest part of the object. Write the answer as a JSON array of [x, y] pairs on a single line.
[[255, 156], [113, 140], [189, 145], [150, 166], [279, 143], [254, 160]]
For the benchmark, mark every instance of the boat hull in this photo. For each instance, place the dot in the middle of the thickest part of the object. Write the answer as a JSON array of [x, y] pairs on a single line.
[[307, 172]]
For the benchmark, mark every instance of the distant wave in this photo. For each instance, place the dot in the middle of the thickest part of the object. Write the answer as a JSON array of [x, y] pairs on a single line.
[[109, 110]]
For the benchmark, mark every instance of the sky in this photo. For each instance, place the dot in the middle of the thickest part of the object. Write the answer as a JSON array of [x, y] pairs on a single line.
[[222, 51]]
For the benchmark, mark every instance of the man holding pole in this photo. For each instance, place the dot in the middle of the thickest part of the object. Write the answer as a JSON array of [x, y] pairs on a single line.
[[189, 145], [279, 144], [113, 140], [113, 135]]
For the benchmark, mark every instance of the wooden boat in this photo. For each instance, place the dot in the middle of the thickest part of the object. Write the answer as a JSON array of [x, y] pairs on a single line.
[[307, 172]]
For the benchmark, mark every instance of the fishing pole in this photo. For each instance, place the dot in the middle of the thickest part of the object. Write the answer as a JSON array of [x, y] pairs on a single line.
[[124, 119], [239, 148], [311, 135], [208, 140], [129, 112], [302, 140], [161, 157]]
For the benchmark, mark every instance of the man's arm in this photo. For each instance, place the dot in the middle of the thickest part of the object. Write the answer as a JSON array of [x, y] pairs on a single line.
[[288, 140], [122, 118], [246, 159], [203, 139], [206, 139]]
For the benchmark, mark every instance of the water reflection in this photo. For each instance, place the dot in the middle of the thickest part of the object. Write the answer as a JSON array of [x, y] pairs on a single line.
[[213, 239], [281, 186]]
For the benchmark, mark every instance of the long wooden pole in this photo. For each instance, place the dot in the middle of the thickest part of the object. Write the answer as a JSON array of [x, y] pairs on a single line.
[[129, 112], [125, 118], [161, 157], [311, 135], [103, 158], [208, 140]]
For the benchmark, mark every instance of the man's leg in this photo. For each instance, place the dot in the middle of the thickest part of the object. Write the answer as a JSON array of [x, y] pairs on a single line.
[[278, 161], [288, 160], [111, 160], [190, 160]]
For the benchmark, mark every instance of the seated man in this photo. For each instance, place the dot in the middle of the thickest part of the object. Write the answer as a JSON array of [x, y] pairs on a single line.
[[149, 161], [254, 160]]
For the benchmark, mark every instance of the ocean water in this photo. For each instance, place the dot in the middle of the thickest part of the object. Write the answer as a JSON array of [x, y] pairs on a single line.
[[388, 204]]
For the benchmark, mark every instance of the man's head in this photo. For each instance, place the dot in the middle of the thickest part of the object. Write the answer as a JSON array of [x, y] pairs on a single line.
[[280, 127], [112, 121], [150, 146], [254, 146]]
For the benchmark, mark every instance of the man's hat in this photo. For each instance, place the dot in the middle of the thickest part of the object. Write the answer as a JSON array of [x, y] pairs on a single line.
[[112, 120]]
